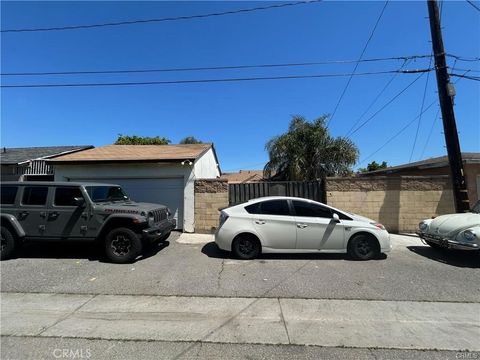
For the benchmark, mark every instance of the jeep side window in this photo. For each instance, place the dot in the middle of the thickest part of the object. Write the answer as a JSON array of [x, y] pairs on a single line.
[[65, 196], [8, 194], [106, 193], [34, 195]]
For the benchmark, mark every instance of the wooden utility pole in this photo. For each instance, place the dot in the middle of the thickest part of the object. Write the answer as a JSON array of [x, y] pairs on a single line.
[[448, 116]]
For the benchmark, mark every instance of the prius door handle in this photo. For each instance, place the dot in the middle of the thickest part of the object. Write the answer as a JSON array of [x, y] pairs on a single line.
[[260, 222], [302, 226]]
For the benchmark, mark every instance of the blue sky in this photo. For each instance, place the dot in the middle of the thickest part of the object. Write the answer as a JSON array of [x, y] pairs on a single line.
[[238, 117]]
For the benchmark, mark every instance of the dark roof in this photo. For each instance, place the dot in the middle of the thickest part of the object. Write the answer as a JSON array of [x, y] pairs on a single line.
[[441, 161], [10, 156]]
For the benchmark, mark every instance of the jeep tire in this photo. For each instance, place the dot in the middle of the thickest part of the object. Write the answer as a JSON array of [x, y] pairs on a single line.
[[122, 245], [7, 244]]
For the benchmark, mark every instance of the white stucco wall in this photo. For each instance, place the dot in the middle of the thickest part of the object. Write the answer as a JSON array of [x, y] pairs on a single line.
[[206, 166], [137, 171]]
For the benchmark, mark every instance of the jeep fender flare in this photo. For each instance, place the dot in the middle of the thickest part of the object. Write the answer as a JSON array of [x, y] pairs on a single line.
[[127, 219], [12, 223]]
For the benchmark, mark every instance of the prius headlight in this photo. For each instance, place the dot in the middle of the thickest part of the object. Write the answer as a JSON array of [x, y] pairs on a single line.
[[469, 235]]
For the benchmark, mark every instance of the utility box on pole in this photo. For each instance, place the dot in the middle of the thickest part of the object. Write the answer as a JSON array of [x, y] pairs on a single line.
[[445, 95]]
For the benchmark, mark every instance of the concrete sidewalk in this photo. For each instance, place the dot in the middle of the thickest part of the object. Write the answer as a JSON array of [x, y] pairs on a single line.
[[195, 238], [350, 323]]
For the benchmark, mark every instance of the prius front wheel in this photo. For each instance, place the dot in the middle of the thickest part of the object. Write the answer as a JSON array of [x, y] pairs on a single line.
[[363, 247]]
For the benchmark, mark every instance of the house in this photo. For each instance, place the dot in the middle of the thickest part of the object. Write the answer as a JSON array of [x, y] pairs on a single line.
[[162, 174], [243, 176], [438, 166], [29, 163]]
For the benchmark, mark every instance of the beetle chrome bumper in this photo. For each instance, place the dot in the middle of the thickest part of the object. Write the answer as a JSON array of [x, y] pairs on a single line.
[[448, 243]]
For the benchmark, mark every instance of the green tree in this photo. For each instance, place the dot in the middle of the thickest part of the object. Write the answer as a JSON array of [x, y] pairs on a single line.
[[190, 140], [141, 140], [373, 166], [307, 152]]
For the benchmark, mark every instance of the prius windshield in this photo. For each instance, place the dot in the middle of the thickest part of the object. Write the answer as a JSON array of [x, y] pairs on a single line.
[[106, 193]]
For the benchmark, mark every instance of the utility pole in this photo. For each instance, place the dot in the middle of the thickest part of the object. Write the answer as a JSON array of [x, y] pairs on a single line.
[[445, 89]]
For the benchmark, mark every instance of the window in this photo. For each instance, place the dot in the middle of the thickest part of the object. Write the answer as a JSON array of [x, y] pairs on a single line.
[[253, 209], [35, 195], [303, 208], [8, 194], [106, 193], [275, 207], [342, 216], [64, 196]]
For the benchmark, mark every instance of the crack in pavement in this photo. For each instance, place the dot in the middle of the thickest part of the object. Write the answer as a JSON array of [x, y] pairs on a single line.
[[219, 276], [62, 318]]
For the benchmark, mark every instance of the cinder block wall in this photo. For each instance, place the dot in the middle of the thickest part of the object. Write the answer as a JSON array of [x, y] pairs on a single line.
[[398, 203], [210, 195]]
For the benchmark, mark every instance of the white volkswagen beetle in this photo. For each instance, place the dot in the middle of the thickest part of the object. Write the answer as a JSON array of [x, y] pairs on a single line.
[[453, 231], [296, 225]]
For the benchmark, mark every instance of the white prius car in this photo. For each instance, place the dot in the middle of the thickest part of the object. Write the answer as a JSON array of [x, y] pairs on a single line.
[[295, 225]]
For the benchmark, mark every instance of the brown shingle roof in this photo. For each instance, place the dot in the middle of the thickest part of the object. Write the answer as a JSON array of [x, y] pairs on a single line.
[[243, 176], [142, 153]]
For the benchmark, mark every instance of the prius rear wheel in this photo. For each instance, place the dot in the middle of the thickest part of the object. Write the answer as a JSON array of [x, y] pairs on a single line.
[[246, 247]]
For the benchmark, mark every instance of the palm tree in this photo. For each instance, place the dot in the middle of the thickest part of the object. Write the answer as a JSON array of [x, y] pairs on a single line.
[[307, 152]]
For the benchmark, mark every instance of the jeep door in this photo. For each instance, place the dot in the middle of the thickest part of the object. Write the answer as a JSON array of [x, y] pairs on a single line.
[[65, 218], [32, 211]]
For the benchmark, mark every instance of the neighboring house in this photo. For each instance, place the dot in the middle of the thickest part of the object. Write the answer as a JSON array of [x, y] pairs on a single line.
[[243, 176], [162, 174], [29, 163], [439, 166]]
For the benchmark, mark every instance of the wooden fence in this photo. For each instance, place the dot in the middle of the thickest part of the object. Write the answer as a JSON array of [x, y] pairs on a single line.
[[239, 193]]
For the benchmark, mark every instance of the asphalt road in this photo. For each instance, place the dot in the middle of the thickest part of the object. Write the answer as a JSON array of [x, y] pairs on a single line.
[[412, 271]]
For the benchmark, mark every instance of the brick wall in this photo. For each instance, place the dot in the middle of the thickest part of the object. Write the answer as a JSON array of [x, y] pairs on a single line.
[[398, 203], [210, 195]]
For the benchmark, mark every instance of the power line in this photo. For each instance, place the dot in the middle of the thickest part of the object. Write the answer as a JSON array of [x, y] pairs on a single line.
[[397, 134], [376, 99], [156, 20], [135, 71], [475, 78], [358, 62], [384, 106], [467, 70], [430, 133], [421, 111], [211, 80], [401, 130], [473, 4], [435, 120], [461, 58]]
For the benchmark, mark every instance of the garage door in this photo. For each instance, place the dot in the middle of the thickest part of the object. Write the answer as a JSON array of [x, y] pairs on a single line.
[[168, 192]]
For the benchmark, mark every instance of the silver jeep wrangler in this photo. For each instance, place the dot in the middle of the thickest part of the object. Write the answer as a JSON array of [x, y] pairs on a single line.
[[66, 211]]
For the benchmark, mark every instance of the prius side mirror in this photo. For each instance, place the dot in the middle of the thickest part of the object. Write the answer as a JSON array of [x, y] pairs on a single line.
[[336, 218]]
